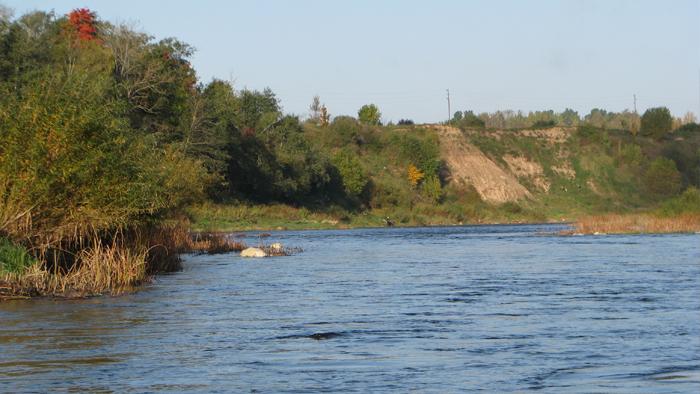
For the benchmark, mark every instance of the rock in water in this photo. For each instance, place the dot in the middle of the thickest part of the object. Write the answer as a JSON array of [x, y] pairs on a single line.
[[276, 246], [253, 252]]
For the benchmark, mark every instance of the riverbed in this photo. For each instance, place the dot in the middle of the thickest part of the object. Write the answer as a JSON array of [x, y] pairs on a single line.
[[444, 309]]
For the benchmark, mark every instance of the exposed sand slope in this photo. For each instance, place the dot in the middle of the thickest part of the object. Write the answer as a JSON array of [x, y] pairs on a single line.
[[469, 166]]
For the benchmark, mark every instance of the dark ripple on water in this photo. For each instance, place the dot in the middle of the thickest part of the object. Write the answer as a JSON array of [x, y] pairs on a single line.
[[483, 308]]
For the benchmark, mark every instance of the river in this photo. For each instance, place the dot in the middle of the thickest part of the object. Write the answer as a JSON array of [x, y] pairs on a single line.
[[445, 309]]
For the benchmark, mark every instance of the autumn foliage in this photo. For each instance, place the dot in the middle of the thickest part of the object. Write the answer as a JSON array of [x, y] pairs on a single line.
[[414, 175], [83, 21]]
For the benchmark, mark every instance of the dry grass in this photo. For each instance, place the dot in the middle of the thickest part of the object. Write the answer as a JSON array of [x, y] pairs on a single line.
[[638, 223], [117, 263], [99, 269], [214, 243]]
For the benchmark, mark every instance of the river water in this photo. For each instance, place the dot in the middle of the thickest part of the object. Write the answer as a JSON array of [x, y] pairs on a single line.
[[451, 309]]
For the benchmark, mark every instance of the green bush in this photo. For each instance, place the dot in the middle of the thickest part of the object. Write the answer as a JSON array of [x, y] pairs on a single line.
[[656, 122], [662, 179], [14, 258], [687, 202], [350, 168], [432, 189], [370, 114], [424, 152], [631, 155], [689, 128]]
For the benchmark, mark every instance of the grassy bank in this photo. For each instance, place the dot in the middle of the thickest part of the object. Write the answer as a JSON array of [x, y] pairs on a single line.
[[103, 267], [245, 217]]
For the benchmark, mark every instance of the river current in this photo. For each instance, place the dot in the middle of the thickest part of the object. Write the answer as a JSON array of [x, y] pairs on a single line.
[[445, 309]]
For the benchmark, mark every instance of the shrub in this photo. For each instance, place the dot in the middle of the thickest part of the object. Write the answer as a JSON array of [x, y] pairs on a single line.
[[543, 124], [656, 122], [689, 128], [352, 174], [414, 175], [14, 258], [470, 120], [370, 114], [662, 179], [432, 189], [631, 155], [344, 130], [405, 122], [687, 202], [423, 152]]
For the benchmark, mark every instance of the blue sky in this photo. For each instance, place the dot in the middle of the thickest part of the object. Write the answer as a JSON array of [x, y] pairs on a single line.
[[402, 54]]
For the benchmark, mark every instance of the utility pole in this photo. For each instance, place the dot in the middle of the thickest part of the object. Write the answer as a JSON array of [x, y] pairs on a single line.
[[635, 102], [449, 110]]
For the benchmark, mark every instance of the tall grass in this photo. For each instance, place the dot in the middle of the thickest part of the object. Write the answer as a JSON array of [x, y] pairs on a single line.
[[638, 223], [111, 263]]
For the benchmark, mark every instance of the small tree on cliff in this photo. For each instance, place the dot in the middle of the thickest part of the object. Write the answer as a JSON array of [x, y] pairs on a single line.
[[370, 114], [656, 122]]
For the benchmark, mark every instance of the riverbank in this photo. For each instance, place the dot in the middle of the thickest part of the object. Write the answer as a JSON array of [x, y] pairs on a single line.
[[111, 268], [245, 217], [230, 218]]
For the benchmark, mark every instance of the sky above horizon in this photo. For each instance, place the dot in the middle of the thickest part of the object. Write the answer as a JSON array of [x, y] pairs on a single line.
[[402, 55]]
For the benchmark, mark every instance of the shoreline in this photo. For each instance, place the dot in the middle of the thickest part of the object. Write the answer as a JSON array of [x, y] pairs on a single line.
[[583, 226]]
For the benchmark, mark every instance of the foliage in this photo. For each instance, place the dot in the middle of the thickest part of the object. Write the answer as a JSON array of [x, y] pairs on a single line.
[[656, 122], [325, 117], [691, 127], [543, 124], [369, 114], [83, 21], [687, 202], [432, 189], [14, 258], [467, 119], [405, 122], [353, 176], [662, 179], [414, 175], [422, 151]]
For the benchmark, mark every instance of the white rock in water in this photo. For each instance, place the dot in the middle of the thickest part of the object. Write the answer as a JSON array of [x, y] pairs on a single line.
[[276, 246], [253, 252]]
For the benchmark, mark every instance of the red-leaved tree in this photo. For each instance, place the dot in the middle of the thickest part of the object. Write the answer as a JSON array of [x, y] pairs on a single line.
[[83, 21]]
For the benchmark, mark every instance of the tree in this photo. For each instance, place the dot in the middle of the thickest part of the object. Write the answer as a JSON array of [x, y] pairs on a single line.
[[83, 21], [370, 114], [597, 118], [656, 122], [688, 118], [414, 175], [470, 120], [315, 109], [570, 117], [350, 168], [662, 179], [325, 117]]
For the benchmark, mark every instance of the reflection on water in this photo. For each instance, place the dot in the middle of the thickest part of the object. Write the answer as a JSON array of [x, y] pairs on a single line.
[[497, 308]]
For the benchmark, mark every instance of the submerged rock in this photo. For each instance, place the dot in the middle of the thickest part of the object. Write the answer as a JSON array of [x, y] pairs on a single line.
[[253, 252]]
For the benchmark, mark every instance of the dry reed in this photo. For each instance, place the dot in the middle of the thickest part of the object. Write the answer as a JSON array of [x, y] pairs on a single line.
[[637, 223]]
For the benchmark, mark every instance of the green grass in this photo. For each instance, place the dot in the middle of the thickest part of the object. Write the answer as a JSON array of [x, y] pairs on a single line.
[[14, 259]]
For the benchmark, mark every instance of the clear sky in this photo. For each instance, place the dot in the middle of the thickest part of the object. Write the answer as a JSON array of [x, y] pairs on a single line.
[[402, 55]]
